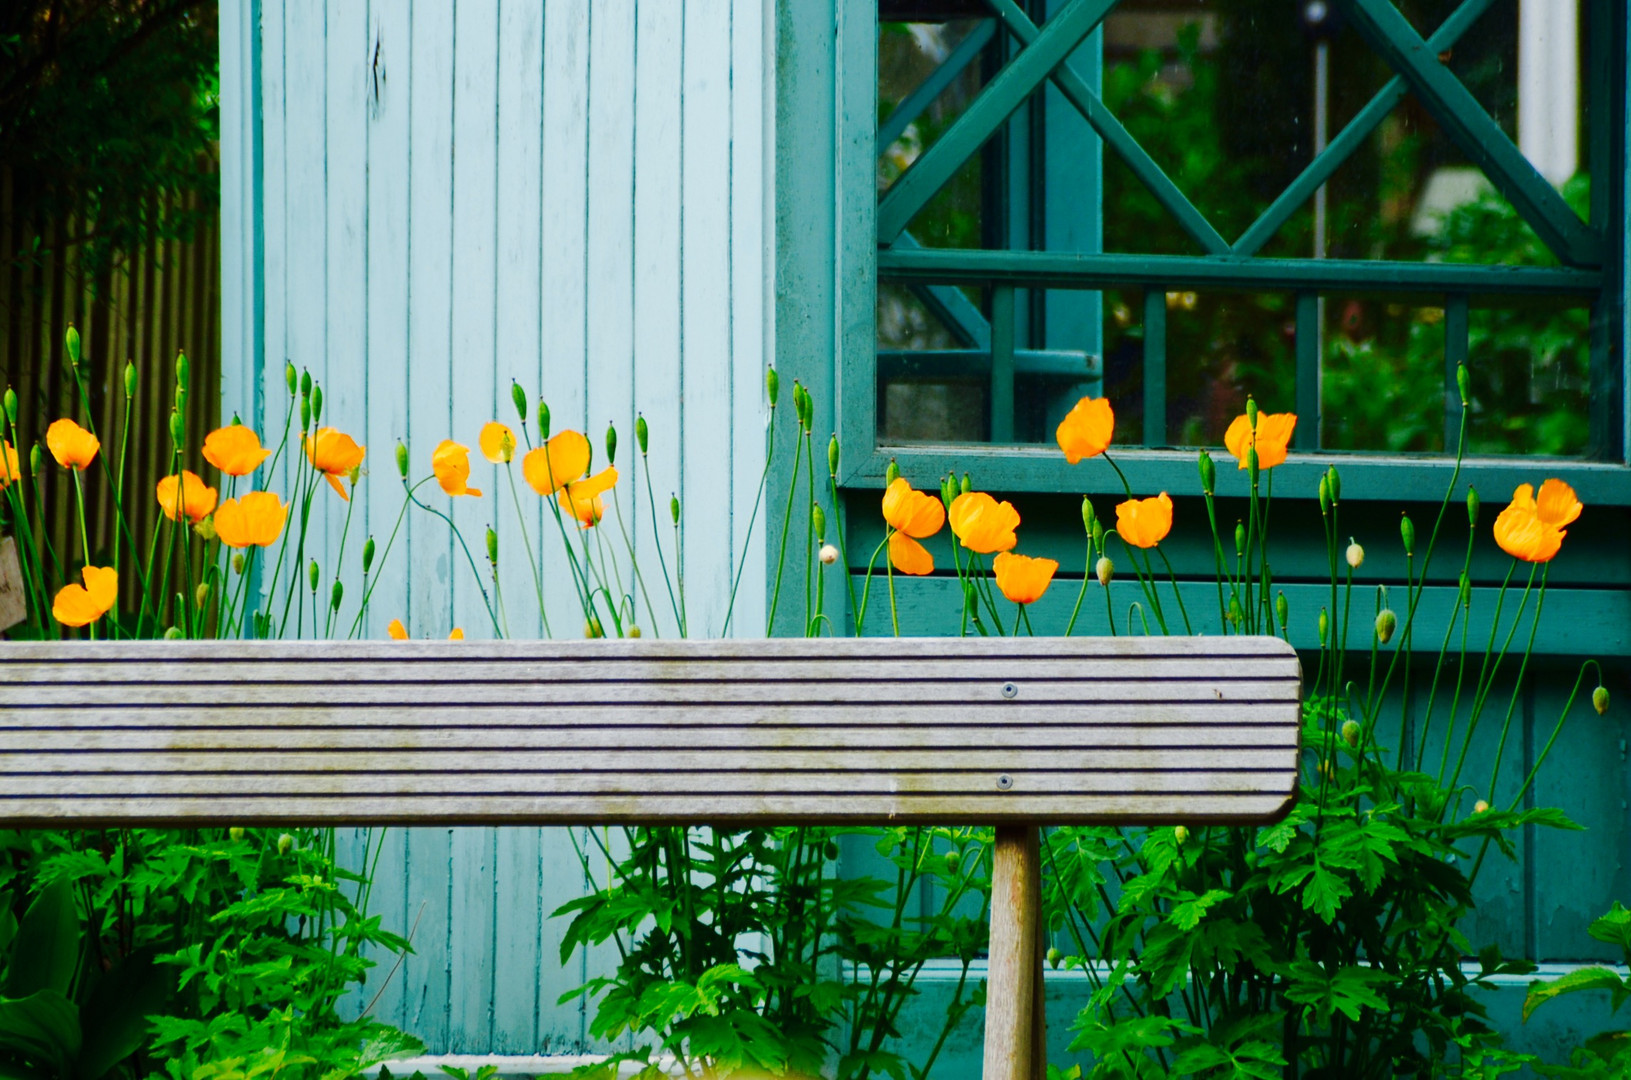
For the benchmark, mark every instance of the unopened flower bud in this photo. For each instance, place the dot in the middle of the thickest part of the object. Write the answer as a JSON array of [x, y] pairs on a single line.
[[1282, 609], [1386, 621], [34, 459], [178, 429], [832, 456], [285, 844], [1180, 835], [71, 340], [591, 629], [1240, 538], [291, 378], [829, 554], [1236, 614], [641, 433], [1355, 554], [829, 850], [892, 473], [1253, 464], [202, 594], [492, 546], [235, 833], [1054, 956], [1251, 411], [402, 459], [305, 383], [305, 412], [1462, 379], [1599, 700], [206, 528], [317, 404], [1324, 626], [953, 858], [773, 385], [1336, 484], [335, 595], [11, 405], [818, 519], [1098, 533], [1089, 516], [633, 631], [1105, 569], [1472, 506], [237, 562], [313, 574], [181, 400], [1407, 532], [1209, 473], [1481, 806], [130, 380], [674, 508], [367, 554], [1325, 494], [967, 485], [543, 420], [611, 444], [1350, 732], [519, 397], [173, 633], [184, 370], [948, 490]]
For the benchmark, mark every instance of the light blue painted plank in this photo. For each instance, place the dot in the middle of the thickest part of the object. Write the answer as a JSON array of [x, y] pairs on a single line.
[[426, 972], [239, 31], [517, 285], [345, 392], [389, 112], [705, 295], [657, 96], [430, 285], [473, 375], [752, 291], [472, 939], [609, 271], [386, 989], [564, 306], [518, 965], [274, 228], [561, 1028], [305, 95]]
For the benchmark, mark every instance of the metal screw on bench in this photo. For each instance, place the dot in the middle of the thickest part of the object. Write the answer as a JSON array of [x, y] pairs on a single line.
[[1004, 782], [1009, 690]]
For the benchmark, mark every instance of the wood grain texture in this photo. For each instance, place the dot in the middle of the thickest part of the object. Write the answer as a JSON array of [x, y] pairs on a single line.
[[1012, 993], [1038, 730]]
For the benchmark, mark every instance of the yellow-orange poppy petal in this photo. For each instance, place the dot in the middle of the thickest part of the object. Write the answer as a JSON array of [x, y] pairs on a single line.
[[189, 496], [1274, 431], [397, 631], [908, 556], [497, 442], [71, 445], [1144, 522], [1521, 534], [235, 449], [914, 513], [583, 497], [1557, 505], [335, 454], [451, 464], [1021, 578], [983, 524], [81, 605], [10, 466], [256, 519], [557, 463], [1087, 429], [456, 635]]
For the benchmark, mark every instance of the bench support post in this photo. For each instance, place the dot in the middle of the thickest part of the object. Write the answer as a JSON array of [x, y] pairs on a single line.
[[1014, 1010]]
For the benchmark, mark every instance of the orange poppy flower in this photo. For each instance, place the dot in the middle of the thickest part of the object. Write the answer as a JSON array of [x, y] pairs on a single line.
[[1021, 578], [456, 635], [983, 524], [235, 449], [196, 501], [908, 556], [81, 605], [1533, 530], [255, 519], [335, 454], [583, 497], [497, 442], [71, 445], [913, 515], [1087, 430], [557, 463], [451, 464], [10, 467], [397, 631], [1273, 437], [1144, 522]]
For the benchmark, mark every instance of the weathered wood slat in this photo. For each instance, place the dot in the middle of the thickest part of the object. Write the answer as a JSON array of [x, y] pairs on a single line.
[[947, 730]]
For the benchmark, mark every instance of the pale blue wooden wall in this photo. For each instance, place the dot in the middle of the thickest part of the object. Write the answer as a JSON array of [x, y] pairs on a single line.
[[426, 198]]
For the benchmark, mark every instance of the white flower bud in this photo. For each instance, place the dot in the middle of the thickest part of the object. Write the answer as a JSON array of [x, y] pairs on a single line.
[[1356, 554], [829, 554], [1105, 569], [1480, 806]]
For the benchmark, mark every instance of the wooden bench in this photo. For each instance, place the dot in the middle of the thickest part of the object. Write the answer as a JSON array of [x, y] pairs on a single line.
[[1017, 733]]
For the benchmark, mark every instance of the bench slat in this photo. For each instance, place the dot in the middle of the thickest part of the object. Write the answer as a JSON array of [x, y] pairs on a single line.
[[955, 730]]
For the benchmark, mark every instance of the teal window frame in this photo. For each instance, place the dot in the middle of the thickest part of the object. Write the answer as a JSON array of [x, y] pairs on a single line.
[[865, 250]]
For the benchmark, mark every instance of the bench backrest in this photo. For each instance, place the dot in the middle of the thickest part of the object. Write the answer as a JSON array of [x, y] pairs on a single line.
[[1041, 730]]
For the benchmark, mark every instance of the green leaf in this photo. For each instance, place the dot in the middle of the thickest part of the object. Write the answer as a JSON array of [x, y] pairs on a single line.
[[1592, 978], [1325, 892], [114, 1016], [1348, 990], [43, 1028], [46, 952], [1614, 928], [1188, 914]]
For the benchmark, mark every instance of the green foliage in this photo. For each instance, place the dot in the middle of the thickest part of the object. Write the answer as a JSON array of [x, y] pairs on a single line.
[[206, 956], [1606, 1056], [745, 951]]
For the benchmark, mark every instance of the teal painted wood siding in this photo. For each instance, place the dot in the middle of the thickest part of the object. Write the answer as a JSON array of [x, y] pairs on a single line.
[[425, 199]]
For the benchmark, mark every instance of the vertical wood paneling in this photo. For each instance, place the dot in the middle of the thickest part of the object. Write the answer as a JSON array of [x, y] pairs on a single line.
[[453, 195]]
